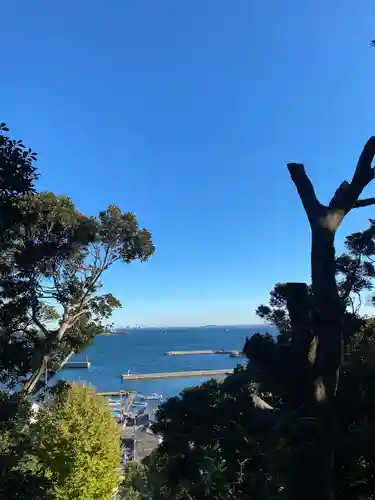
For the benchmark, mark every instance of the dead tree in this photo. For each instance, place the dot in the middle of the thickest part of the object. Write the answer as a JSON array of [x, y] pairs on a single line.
[[322, 328]]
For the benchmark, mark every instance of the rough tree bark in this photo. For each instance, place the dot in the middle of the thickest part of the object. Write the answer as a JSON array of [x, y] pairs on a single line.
[[302, 347], [325, 317]]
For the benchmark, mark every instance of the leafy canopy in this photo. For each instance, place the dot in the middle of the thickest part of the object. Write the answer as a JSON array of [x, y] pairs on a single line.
[[52, 259], [76, 445]]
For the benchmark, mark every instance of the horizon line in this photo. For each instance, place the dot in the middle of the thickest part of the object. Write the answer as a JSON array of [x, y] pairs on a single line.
[[236, 325]]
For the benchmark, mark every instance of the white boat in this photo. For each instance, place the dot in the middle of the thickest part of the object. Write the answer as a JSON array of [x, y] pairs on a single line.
[[116, 400], [153, 396], [138, 404]]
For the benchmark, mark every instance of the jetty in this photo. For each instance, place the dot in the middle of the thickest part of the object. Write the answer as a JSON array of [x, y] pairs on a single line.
[[114, 393], [130, 400], [231, 352], [184, 374], [77, 364]]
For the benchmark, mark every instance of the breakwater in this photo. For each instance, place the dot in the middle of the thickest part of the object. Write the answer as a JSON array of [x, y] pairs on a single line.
[[115, 393], [231, 352], [76, 364], [184, 374]]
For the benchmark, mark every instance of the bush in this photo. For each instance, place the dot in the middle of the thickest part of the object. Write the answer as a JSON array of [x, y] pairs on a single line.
[[77, 444]]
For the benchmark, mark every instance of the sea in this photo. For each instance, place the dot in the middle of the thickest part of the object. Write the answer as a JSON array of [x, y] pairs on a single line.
[[144, 350]]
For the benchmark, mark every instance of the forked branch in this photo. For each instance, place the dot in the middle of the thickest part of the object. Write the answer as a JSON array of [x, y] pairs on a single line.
[[305, 189], [346, 196]]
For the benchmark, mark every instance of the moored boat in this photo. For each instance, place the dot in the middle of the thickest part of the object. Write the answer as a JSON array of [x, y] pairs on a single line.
[[154, 396]]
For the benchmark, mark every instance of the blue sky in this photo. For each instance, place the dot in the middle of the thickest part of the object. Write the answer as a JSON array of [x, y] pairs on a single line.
[[186, 112]]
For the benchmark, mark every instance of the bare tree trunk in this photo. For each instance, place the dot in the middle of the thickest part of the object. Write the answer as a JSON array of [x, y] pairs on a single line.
[[314, 471], [300, 368], [328, 311], [31, 385]]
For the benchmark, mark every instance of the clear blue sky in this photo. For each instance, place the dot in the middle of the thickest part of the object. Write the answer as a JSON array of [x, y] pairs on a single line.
[[186, 112]]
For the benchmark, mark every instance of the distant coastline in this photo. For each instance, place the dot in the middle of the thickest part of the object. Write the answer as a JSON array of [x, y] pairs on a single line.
[[240, 326], [119, 329]]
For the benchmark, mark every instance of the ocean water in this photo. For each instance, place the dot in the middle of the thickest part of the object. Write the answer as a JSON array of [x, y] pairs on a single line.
[[143, 351]]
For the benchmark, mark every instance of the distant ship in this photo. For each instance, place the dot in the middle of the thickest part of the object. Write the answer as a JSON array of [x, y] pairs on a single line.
[[125, 329], [120, 330]]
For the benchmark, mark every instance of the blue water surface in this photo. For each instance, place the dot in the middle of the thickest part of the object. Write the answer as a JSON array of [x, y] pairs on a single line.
[[143, 351]]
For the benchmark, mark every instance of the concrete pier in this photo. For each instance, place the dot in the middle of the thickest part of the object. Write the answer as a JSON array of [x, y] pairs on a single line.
[[232, 352], [114, 393], [77, 364], [186, 374], [130, 400]]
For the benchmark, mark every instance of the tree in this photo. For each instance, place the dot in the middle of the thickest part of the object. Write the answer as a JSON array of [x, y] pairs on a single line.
[[17, 176], [59, 262], [280, 367], [214, 442], [241, 438], [76, 445], [52, 261], [320, 319], [287, 426], [324, 221], [134, 486]]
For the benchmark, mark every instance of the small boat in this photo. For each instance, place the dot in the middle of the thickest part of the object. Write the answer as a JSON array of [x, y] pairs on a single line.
[[139, 404], [236, 355], [116, 405], [154, 396], [115, 401]]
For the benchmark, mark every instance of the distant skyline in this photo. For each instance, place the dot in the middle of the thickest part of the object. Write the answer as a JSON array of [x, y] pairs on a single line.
[[187, 113], [136, 326]]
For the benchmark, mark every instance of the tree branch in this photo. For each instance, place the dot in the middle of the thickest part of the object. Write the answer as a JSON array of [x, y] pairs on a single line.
[[305, 189], [75, 317], [346, 196], [259, 403], [39, 324], [96, 276], [364, 203], [364, 172], [338, 199], [51, 339]]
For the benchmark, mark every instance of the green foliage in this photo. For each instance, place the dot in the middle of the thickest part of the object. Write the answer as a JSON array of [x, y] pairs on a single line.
[[250, 435], [221, 442], [76, 445], [211, 443], [52, 260], [16, 481], [16, 166], [135, 483]]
